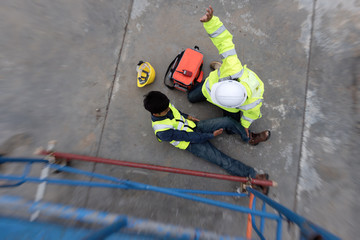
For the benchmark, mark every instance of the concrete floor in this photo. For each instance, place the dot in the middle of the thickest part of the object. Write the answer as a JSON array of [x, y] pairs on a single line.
[[67, 72]]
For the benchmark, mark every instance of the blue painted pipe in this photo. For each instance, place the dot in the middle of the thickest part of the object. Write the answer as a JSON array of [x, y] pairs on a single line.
[[135, 185], [31, 160], [107, 231], [140, 186], [258, 232], [262, 220]]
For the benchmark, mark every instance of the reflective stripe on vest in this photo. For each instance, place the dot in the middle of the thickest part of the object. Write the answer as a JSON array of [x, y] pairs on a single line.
[[228, 53], [218, 31], [180, 124], [179, 127], [232, 77], [207, 85], [162, 126], [175, 143], [250, 120], [250, 105], [183, 123]]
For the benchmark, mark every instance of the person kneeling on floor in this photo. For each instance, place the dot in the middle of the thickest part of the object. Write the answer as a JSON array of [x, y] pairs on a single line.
[[189, 133]]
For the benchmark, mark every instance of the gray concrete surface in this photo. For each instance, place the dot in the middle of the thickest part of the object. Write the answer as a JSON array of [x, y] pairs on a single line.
[[329, 163], [67, 72]]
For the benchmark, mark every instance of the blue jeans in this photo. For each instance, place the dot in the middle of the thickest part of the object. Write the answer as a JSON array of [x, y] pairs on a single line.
[[210, 153]]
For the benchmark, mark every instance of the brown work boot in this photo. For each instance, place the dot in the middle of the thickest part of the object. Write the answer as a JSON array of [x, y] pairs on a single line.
[[264, 176], [256, 138], [263, 189], [215, 65]]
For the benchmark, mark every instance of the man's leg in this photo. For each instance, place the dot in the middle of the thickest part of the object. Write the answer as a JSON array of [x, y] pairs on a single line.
[[229, 124], [235, 116], [195, 95], [210, 153]]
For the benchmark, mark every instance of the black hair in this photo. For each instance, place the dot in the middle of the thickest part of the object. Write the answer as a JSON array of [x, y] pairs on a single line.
[[156, 102]]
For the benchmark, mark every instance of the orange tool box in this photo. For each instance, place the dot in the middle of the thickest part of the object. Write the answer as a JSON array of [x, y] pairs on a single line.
[[185, 70]]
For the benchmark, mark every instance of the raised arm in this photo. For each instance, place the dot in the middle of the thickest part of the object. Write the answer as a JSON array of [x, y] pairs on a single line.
[[223, 41]]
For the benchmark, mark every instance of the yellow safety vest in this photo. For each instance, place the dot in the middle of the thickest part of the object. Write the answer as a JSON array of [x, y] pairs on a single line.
[[177, 123], [232, 69]]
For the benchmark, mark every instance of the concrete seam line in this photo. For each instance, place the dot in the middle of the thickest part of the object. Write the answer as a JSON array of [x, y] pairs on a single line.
[[115, 75], [110, 93], [305, 104]]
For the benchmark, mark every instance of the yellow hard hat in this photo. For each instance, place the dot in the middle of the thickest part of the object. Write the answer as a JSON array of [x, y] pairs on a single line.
[[145, 74]]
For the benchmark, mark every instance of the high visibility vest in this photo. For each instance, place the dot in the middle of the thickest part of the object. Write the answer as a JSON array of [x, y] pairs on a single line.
[[177, 123], [232, 69]]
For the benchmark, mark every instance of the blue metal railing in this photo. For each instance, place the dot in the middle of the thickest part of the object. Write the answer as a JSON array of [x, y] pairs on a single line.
[[113, 222], [308, 230]]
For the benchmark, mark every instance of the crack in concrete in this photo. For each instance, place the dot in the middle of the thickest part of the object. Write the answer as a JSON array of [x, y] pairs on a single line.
[[110, 95], [305, 105], [355, 90], [115, 75]]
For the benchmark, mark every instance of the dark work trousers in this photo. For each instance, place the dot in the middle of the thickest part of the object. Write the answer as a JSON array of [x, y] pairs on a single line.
[[195, 95], [210, 153]]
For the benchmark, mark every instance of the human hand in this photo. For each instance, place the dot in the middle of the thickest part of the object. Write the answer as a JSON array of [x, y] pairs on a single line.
[[193, 119], [247, 132], [218, 132], [208, 15]]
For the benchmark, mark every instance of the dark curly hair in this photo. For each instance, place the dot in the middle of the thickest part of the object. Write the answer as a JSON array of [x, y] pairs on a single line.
[[156, 102]]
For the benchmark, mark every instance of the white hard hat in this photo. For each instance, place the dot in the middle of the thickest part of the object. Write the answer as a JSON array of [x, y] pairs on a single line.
[[229, 93]]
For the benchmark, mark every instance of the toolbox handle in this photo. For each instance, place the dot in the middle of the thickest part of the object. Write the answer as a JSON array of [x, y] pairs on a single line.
[[170, 70]]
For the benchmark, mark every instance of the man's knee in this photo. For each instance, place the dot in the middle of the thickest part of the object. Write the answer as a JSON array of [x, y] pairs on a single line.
[[191, 98], [229, 121], [194, 97]]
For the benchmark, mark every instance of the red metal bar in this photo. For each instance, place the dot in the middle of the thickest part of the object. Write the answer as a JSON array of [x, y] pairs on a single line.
[[69, 156]]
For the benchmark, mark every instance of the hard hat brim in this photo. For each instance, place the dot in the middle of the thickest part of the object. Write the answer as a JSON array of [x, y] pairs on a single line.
[[213, 91]]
